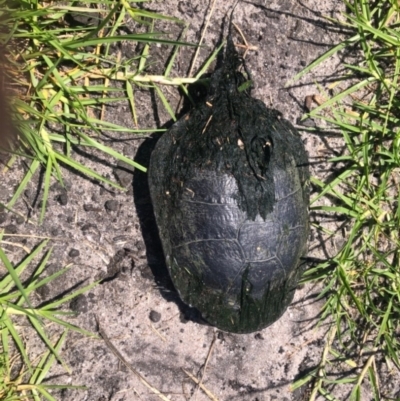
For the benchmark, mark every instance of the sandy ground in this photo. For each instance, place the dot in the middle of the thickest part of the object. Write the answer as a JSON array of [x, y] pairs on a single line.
[[102, 232]]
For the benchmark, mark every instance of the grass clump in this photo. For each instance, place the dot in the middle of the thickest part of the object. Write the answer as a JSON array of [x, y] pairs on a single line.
[[362, 282], [65, 71], [20, 377]]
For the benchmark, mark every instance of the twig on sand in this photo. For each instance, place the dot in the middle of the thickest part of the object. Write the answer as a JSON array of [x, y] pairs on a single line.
[[210, 395], [114, 350], [246, 45], [200, 382]]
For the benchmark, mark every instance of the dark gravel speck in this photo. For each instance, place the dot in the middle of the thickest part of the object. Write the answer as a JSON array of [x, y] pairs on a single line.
[[73, 253], [124, 173], [221, 336], [19, 219], [62, 198], [29, 193], [89, 227], [79, 304], [155, 316], [111, 205], [88, 207]]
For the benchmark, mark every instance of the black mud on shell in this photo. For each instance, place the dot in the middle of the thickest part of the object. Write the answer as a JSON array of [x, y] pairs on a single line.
[[229, 186]]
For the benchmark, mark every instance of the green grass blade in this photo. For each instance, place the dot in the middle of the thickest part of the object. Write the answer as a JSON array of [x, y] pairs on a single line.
[[324, 57], [49, 168], [7, 282], [165, 102], [46, 362], [85, 170], [21, 187], [112, 152], [11, 271], [56, 304], [40, 331], [17, 339]]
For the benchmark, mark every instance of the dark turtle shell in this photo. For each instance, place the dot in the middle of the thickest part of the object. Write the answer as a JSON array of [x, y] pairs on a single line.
[[229, 186]]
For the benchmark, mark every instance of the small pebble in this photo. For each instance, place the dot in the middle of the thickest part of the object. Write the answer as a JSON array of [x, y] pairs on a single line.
[[155, 316], [62, 198], [11, 229], [79, 304], [73, 253], [91, 232], [120, 238], [89, 227], [124, 173], [20, 219], [140, 245], [308, 122], [28, 193], [111, 205], [88, 207]]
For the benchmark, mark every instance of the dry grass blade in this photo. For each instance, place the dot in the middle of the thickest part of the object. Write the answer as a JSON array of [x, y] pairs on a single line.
[[205, 366], [246, 45], [209, 394], [201, 38]]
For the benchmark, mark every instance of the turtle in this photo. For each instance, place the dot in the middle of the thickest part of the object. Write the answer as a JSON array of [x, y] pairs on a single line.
[[229, 184]]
